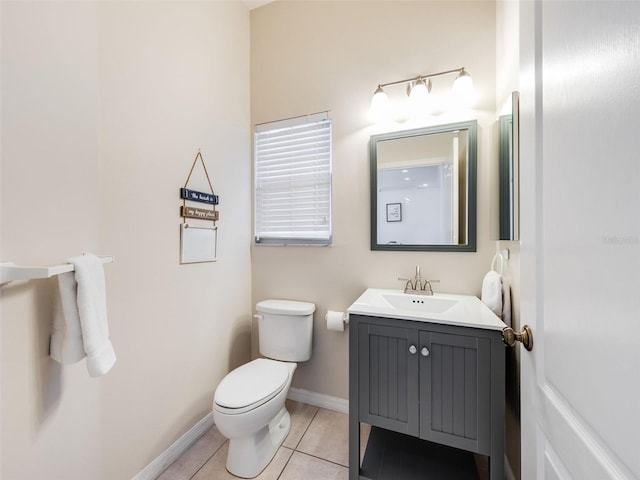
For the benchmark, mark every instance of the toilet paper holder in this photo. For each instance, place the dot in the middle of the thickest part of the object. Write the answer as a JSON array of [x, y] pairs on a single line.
[[336, 320]]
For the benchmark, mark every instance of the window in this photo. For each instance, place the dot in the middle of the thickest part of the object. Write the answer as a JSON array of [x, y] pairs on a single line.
[[293, 181]]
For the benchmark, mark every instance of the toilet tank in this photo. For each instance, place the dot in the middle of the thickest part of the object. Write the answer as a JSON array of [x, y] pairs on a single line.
[[285, 329]]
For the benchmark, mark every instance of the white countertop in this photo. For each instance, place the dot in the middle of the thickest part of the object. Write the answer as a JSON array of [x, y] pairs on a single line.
[[468, 311]]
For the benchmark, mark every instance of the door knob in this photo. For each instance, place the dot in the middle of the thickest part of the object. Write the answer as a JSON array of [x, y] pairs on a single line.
[[424, 352], [510, 337], [412, 349]]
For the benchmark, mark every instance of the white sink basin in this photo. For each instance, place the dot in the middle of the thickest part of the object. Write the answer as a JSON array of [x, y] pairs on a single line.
[[419, 303], [445, 308]]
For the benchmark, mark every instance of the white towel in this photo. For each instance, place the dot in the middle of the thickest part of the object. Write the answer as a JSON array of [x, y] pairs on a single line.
[[492, 292], [506, 302], [66, 339], [89, 317]]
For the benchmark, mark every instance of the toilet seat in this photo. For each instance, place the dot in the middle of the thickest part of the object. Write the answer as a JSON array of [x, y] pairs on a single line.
[[250, 386]]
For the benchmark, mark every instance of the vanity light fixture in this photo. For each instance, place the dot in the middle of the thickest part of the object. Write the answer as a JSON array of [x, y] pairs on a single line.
[[418, 90]]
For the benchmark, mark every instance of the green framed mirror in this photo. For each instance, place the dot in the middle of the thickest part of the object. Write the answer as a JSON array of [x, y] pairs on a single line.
[[423, 188], [509, 204]]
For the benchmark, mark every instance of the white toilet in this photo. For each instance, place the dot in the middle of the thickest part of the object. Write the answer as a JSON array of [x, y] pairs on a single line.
[[248, 405]]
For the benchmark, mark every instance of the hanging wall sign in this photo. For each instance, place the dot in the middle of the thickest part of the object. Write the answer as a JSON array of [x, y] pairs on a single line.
[[201, 197], [197, 242], [192, 212]]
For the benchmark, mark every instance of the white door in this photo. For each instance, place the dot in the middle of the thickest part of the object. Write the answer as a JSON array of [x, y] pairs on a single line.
[[580, 239]]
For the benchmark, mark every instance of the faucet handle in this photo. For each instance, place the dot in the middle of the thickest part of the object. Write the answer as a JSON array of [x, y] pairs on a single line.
[[408, 285], [427, 286]]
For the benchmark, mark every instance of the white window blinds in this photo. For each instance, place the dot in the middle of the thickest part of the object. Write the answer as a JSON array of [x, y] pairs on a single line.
[[293, 181]]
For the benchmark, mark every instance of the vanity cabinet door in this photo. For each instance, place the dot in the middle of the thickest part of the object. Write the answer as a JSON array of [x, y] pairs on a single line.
[[455, 396], [388, 374]]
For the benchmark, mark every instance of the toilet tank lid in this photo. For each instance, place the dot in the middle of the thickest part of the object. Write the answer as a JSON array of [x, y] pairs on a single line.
[[285, 307]]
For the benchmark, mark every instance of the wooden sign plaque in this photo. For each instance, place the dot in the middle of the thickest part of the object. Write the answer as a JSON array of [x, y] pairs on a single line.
[[201, 213]]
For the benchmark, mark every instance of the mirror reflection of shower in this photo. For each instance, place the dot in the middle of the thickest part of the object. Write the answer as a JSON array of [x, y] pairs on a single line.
[[426, 197]]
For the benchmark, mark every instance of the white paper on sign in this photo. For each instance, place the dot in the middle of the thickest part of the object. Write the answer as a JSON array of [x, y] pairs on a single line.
[[198, 244]]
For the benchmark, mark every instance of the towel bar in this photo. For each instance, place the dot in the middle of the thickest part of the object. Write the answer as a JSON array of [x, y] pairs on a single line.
[[9, 272]]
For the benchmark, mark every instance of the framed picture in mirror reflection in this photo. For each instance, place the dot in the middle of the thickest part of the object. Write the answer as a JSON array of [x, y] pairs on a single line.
[[394, 212]]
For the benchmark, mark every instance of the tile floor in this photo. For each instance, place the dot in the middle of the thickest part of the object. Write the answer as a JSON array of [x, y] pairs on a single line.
[[316, 448]]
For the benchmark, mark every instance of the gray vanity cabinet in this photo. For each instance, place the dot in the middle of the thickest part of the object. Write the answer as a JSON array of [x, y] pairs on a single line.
[[441, 383]]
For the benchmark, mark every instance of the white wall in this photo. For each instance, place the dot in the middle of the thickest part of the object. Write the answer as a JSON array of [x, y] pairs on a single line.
[[314, 56], [104, 106], [50, 211]]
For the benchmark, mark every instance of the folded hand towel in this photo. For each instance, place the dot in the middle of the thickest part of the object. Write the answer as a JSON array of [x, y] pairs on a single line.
[[492, 292], [89, 317], [66, 338], [92, 308]]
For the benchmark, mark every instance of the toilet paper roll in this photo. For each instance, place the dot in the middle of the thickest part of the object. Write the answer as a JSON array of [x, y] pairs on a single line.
[[336, 320]]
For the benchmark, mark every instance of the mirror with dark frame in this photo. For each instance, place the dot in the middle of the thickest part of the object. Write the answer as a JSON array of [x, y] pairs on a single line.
[[423, 189], [508, 176]]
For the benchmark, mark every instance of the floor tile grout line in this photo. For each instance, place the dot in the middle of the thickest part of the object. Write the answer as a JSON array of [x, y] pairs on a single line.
[[207, 460], [320, 458], [285, 464], [309, 454], [295, 448]]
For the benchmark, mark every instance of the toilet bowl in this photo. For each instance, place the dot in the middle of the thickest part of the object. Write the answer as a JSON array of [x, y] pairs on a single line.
[[254, 420], [249, 403]]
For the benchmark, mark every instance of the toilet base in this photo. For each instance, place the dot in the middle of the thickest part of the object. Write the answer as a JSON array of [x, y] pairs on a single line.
[[248, 456]]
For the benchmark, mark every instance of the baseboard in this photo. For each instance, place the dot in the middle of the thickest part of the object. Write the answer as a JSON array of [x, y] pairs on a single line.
[[319, 400], [171, 454]]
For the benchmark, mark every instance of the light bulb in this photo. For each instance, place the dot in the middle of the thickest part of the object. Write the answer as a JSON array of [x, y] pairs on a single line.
[[419, 92], [379, 105], [463, 89], [419, 98]]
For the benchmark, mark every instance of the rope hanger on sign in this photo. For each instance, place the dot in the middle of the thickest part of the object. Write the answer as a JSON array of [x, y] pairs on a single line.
[[202, 197]]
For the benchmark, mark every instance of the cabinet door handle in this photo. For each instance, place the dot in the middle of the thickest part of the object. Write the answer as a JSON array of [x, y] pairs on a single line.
[[412, 349], [424, 352]]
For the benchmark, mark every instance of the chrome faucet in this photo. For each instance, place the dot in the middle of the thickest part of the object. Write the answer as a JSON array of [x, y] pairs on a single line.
[[417, 281], [417, 287]]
